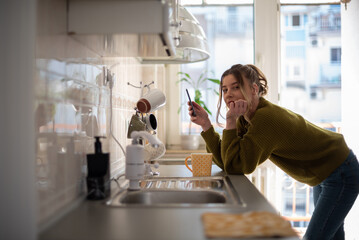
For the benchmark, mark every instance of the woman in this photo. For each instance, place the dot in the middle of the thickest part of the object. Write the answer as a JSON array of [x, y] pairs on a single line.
[[257, 130]]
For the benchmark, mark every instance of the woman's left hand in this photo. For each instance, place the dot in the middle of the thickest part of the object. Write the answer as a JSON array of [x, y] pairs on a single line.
[[236, 109]]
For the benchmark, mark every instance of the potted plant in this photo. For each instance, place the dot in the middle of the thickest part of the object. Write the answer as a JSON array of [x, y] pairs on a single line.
[[191, 141]]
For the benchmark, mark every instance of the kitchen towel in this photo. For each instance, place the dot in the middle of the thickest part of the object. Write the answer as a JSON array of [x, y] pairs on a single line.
[[249, 224]]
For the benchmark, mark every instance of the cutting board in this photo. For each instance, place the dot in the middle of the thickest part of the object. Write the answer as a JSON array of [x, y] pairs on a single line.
[[249, 224]]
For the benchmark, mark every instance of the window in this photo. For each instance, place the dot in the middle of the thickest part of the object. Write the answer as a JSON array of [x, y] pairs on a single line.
[[335, 55], [310, 84], [295, 20], [312, 78], [229, 32], [322, 75], [327, 71]]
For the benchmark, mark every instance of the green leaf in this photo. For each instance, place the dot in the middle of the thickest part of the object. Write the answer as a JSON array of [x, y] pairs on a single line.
[[186, 74], [205, 108], [202, 78], [184, 80], [217, 81], [197, 96], [201, 103]]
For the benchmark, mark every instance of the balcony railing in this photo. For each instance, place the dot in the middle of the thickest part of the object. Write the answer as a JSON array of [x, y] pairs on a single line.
[[330, 73], [326, 24], [270, 181]]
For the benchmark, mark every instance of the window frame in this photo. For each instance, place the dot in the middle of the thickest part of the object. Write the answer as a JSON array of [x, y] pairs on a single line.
[[266, 57]]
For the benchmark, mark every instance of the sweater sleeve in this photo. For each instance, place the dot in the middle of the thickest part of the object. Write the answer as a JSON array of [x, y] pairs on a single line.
[[235, 154], [213, 145], [241, 155]]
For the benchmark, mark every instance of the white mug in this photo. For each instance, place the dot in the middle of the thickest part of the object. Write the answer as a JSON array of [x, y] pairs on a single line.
[[151, 101], [151, 122]]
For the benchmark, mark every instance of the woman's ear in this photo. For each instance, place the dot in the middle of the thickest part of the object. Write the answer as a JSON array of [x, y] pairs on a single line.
[[255, 89]]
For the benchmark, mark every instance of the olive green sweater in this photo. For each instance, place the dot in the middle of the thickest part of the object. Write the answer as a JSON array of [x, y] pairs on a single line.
[[304, 151]]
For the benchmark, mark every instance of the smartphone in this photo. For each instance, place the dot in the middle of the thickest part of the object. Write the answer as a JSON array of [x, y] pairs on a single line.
[[189, 98]]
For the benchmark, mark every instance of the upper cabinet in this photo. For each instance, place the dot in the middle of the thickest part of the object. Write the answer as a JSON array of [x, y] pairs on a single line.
[[154, 31]]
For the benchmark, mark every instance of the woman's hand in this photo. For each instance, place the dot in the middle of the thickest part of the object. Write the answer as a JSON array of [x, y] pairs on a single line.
[[201, 117], [236, 109]]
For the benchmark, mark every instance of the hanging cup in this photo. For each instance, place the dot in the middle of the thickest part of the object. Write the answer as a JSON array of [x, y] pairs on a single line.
[[136, 124], [151, 101], [151, 122]]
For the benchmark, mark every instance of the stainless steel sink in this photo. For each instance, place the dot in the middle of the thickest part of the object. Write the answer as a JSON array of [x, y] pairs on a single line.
[[179, 192], [172, 197]]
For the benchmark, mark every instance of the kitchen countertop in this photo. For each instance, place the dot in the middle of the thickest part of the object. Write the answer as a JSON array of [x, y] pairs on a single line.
[[94, 220]]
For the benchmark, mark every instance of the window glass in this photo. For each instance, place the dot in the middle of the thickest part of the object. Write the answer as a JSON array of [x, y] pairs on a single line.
[[295, 20], [335, 55], [310, 84], [229, 32], [311, 59]]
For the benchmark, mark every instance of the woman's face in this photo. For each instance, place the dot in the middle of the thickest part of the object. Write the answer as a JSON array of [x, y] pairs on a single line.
[[231, 89]]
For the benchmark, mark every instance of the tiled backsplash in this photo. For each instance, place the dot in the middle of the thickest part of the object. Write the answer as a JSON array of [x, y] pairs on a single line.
[[73, 106]]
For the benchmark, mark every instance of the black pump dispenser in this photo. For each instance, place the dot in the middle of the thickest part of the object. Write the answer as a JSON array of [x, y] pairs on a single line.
[[98, 177], [98, 147]]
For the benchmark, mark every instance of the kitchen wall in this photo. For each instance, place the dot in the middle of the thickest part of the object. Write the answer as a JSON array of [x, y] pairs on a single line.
[[72, 105], [17, 154]]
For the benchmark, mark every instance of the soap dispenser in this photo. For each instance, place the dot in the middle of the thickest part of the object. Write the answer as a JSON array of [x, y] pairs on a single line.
[[98, 177]]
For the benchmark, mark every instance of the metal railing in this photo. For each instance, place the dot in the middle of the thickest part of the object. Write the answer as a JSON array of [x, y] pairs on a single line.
[[275, 185]]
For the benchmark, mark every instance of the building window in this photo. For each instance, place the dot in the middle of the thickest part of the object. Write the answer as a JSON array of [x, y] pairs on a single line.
[[335, 55], [295, 20]]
